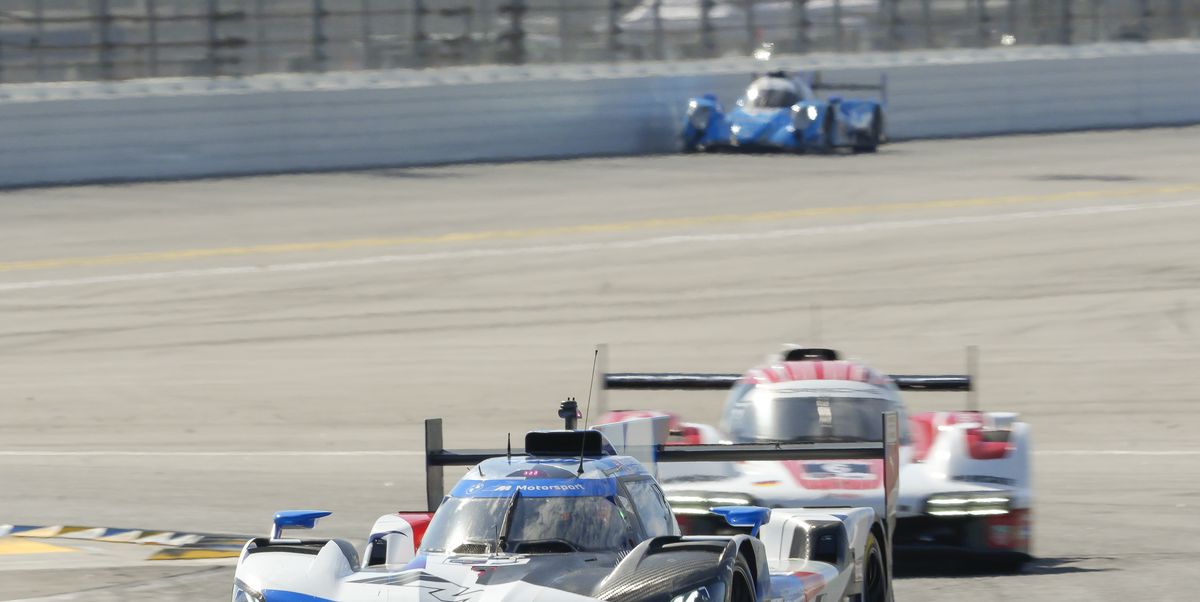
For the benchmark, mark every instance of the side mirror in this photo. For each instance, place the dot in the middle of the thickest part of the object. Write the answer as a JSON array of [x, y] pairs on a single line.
[[744, 516], [295, 519]]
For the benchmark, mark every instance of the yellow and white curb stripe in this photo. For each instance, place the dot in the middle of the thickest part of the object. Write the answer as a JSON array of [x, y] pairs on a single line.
[[176, 545], [11, 546]]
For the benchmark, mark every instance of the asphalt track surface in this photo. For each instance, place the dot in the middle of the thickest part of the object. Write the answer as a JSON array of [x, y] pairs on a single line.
[[197, 355]]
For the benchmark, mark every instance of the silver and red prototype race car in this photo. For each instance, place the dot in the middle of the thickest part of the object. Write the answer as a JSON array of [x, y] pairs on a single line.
[[576, 516], [966, 487]]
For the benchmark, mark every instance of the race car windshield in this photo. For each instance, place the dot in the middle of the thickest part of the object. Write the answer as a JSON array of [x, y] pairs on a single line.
[[771, 93], [807, 419], [537, 525]]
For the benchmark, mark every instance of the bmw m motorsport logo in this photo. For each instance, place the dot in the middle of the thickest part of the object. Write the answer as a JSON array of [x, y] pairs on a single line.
[[524, 488], [535, 488]]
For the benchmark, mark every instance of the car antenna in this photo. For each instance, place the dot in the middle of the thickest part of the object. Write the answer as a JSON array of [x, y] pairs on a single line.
[[973, 375], [509, 454], [588, 409]]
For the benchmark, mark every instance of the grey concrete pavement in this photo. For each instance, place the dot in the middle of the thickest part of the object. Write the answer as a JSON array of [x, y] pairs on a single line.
[[162, 345]]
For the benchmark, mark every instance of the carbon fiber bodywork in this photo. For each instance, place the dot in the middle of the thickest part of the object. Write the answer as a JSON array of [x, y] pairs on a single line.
[[663, 567]]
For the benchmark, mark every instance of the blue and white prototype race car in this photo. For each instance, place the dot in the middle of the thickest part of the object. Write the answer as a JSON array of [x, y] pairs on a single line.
[[571, 518], [783, 112]]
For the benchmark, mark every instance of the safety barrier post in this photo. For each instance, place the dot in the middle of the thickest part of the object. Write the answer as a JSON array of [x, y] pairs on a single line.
[[613, 41], [515, 52], [893, 24], [751, 27], [1144, 14], [839, 34], [707, 41], [983, 24], [319, 56], [419, 36], [1064, 24], [104, 48], [39, 32], [365, 32], [152, 38], [212, 20], [660, 49], [800, 23]]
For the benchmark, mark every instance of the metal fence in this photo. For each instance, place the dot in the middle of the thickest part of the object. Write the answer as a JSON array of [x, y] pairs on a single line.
[[56, 40]]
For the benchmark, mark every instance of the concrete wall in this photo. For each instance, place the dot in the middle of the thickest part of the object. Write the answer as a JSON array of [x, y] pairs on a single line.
[[150, 129]]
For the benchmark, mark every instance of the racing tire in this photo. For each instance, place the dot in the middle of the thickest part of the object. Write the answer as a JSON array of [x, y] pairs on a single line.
[[869, 142], [741, 584], [690, 146], [874, 584], [828, 125]]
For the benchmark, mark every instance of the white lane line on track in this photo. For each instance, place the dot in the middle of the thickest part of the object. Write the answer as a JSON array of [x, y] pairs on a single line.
[[201, 454], [597, 246]]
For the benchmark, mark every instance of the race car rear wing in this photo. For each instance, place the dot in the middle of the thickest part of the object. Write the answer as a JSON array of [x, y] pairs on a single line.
[[645, 440], [705, 381], [660, 381], [818, 84]]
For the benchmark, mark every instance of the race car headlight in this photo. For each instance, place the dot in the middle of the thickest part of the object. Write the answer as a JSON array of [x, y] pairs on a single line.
[[700, 594], [698, 115], [802, 116], [984, 503]]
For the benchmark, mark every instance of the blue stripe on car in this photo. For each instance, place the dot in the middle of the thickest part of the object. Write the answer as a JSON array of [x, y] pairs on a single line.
[[279, 595]]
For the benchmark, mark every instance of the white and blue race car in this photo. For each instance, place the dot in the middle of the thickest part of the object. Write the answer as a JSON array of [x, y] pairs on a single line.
[[571, 518], [780, 111]]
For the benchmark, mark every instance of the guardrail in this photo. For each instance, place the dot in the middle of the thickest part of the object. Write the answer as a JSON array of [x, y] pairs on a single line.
[[163, 129]]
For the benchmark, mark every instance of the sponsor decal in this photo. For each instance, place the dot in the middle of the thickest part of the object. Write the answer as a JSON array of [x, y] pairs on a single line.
[[834, 475], [535, 488], [524, 488]]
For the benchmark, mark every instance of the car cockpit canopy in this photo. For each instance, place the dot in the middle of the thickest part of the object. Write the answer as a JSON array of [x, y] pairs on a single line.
[[775, 91]]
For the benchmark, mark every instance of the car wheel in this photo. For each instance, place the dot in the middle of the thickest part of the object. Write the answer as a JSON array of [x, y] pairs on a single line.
[[869, 142], [828, 127], [741, 585], [875, 584]]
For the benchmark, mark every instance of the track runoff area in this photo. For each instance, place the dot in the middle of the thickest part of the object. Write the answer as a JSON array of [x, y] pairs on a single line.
[[183, 359]]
